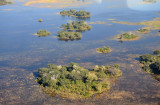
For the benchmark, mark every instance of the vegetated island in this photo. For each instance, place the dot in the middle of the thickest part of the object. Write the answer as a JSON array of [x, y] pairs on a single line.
[[77, 25], [151, 64], [104, 50], [143, 31], [74, 13], [4, 2], [42, 33], [65, 35], [127, 37], [76, 82], [40, 20]]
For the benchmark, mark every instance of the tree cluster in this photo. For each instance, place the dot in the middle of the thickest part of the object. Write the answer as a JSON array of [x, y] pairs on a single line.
[[77, 25], [76, 81], [104, 50], [128, 36], [4, 2], [64, 35], [43, 33], [151, 63], [74, 13]]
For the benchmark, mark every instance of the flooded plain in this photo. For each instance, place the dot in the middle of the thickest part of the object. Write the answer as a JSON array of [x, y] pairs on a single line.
[[22, 53]]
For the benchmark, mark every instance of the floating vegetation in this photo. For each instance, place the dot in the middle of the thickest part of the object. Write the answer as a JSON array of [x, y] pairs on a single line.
[[64, 35], [104, 50], [76, 82], [127, 37], [151, 64], [77, 25], [43, 33], [74, 13]]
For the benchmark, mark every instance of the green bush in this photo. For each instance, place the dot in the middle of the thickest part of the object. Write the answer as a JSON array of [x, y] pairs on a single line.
[[43, 33], [104, 50]]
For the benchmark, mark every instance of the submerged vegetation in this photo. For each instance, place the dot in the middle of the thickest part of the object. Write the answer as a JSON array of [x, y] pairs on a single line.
[[4, 2], [73, 81], [104, 50], [64, 35], [43, 33], [74, 13], [77, 25], [151, 64]]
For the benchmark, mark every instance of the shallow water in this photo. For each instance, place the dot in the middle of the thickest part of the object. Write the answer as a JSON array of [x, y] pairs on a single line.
[[22, 53]]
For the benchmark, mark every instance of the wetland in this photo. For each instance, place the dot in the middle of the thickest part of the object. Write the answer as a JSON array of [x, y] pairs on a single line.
[[25, 79]]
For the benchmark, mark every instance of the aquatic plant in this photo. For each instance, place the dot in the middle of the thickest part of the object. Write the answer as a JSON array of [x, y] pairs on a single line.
[[74, 13], [64, 35], [104, 50], [73, 81], [43, 33], [77, 25]]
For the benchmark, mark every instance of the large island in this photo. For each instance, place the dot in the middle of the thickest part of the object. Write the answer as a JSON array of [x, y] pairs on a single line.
[[73, 81]]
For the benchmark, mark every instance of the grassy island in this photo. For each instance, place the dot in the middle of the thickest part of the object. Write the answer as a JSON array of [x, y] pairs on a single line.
[[76, 82], [127, 37], [74, 13], [77, 25], [64, 35], [4, 2], [143, 30], [151, 64], [43, 33], [104, 50]]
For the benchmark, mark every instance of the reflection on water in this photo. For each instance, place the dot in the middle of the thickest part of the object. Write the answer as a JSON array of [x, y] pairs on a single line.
[[21, 53], [144, 5]]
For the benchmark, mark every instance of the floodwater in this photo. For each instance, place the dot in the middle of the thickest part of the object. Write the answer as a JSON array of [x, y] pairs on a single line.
[[22, 53]]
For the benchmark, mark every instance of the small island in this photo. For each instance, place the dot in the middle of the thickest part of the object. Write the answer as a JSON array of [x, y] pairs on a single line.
[[64, 35], [151, 64], [127, 37], [4, 2], [40, 20], [104, 50], [74, 13], [77, 25], [42, 33], [76, 82], [143, 31]]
